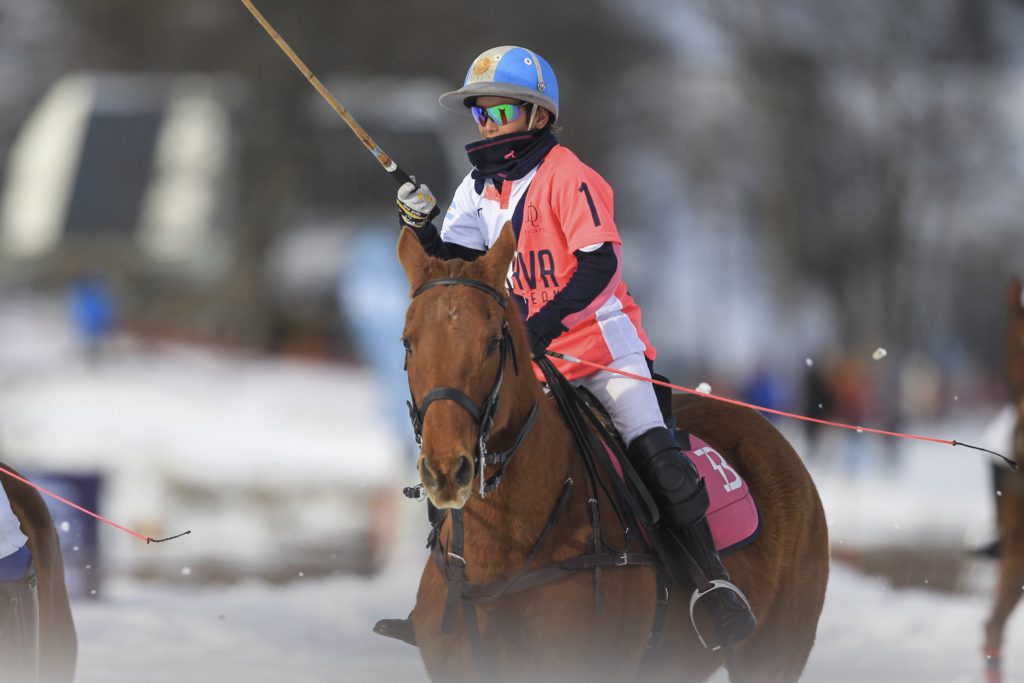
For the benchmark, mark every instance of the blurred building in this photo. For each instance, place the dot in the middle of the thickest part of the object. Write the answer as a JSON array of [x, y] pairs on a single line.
[[138, 180]]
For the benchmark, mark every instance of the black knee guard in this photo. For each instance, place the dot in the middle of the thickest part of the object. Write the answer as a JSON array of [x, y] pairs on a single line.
[[670, 477]]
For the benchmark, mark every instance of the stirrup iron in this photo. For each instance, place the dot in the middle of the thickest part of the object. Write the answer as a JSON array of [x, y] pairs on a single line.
[[716, 584]]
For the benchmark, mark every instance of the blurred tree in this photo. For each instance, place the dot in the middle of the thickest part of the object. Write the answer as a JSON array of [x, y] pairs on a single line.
[[882, 138]]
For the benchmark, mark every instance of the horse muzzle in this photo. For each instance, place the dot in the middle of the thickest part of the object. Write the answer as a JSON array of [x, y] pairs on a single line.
[[447, 482]]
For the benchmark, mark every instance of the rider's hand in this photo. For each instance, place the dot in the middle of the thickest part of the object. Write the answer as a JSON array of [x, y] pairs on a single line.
[[543, 327], [416, 205]]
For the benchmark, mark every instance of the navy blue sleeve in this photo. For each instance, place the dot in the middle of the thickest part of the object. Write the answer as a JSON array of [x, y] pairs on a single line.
[[594, 272], [435, 246]]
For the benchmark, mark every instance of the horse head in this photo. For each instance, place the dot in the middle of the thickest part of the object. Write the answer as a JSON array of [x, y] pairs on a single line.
[[460, 337]]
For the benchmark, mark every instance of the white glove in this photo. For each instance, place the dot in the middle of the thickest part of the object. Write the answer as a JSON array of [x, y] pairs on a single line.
[[416, 205]]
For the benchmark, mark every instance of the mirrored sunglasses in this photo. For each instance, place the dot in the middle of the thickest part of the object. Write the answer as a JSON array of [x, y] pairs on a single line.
[[499, 113]]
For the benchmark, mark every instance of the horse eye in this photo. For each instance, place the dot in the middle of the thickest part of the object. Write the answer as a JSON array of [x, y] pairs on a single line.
[[406, 344], [493, 345]]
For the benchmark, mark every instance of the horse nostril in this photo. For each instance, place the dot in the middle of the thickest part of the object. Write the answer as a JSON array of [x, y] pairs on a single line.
[[429, 478], [464, 472]]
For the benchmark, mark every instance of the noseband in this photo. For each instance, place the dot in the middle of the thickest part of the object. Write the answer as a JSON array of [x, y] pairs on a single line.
[[483, 415]]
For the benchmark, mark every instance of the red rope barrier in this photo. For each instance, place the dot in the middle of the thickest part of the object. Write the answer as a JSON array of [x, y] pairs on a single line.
[[51, 494], [795, 416]]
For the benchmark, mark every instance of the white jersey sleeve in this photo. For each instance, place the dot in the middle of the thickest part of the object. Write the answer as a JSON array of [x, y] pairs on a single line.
[[462, 224]]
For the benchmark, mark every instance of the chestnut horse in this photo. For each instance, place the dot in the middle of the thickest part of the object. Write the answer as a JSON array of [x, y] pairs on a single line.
[[465, 344], [1010, 516], [57, 641]]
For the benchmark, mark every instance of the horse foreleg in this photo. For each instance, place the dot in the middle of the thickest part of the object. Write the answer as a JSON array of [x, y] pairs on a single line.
[[1008, 591]]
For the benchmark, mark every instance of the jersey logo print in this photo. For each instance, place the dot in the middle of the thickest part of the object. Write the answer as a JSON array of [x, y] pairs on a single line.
[[540, 263], [532, 215]]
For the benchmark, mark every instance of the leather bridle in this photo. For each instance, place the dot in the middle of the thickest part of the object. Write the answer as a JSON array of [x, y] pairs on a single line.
[[483, 414]]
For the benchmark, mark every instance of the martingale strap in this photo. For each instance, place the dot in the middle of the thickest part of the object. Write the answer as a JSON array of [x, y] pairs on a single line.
[[465, 595], [452, 564]]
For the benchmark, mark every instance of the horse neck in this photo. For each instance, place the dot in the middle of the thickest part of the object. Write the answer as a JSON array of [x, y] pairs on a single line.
[[502, 527], [544, 459]]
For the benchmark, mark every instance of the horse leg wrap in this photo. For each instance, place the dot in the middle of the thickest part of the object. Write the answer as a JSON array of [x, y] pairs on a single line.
[[670, 477], [19, 628], [993, 665]]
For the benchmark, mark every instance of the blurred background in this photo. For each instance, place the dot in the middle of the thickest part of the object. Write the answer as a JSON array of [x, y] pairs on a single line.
[[200, 306]]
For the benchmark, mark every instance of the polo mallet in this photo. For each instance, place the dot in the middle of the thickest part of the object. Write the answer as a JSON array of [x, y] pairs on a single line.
[[387, 162]]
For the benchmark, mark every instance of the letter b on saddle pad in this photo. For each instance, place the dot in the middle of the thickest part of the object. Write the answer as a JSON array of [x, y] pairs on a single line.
[[732, 514]]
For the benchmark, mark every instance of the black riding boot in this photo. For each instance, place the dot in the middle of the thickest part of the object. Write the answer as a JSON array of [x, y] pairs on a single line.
[[682, 502], [728, 606], [19, 629], [402, 629]]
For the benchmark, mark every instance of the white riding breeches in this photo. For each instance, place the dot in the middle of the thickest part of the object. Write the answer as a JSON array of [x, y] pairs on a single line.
[[11, 538], [630, 402]]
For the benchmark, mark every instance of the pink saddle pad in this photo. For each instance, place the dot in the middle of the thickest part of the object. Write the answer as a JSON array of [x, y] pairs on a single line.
[[732, 514]]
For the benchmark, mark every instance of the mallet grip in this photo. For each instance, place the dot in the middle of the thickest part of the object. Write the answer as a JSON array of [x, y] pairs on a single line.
[[401, 176]]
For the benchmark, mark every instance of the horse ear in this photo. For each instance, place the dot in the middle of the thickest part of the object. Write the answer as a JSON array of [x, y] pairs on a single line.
[[413, 258], [498, 258]]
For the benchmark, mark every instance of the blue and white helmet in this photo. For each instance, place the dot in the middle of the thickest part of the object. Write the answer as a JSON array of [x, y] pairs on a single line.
[[507, 71]]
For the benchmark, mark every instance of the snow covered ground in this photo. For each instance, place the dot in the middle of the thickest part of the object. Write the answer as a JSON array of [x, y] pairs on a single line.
[[242, 450], [318, 630]]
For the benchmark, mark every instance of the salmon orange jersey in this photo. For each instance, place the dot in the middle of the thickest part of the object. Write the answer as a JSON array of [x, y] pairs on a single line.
[[559, 207]]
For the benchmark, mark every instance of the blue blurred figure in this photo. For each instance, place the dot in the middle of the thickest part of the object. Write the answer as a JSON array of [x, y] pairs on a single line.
[[764, 389], [372, 295], [93, 312]]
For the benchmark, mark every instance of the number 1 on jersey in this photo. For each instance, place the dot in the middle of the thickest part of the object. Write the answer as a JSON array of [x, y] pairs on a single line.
[[590, 200]]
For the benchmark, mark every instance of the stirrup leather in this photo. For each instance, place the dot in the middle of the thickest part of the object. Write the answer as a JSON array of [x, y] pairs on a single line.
[[716, 584]]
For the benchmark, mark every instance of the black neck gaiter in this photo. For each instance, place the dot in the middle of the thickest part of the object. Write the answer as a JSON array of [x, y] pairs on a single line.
[[508, 157]]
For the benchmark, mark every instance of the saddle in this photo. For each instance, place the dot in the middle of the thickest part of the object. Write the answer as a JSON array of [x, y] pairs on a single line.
[[732, 514]]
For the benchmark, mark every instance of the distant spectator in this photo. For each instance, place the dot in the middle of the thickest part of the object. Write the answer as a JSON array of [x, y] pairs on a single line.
[[851, 386], [93, 312], [818, 403], [763, 388]]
